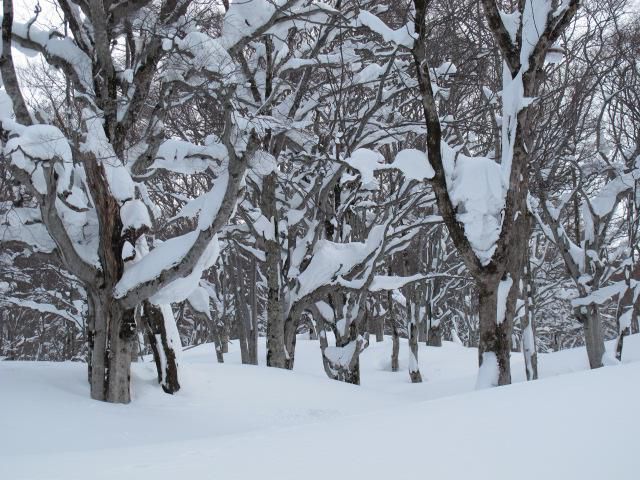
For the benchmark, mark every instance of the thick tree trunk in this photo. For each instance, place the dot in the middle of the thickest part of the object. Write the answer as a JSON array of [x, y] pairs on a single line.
[[217, 340], [378, 328], [395, 349], [244, 324], [276, 356], [423, 331], [395, 336], [253, 327], [290, 329], [589, 316], [433, 329], [375, 325], [342, 362], [494, 348], [241, 329], [112, 336], [434, 335], [345, 369], [225, 341], [164, 353]]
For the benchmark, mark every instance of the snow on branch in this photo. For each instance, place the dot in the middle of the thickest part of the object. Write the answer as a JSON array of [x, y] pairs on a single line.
[[403, 36]]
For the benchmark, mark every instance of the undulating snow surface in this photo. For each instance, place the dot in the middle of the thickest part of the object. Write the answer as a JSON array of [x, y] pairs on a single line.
[[242, 422]]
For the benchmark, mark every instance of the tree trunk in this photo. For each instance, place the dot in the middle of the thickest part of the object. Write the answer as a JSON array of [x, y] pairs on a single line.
[[627, 313], [412, 330], [112, 335], [244, 327], [342, 362], [253, 329], [225, 341], [276, 356], [395, 336], [218, 340], [423, 330], [589, 317], [528, 326], [379, 328], [434, 335], [313, 330], [349, 371], [395, 348], [290, 329], [620, 342], [164, 353], [494, 348], [433, 328]]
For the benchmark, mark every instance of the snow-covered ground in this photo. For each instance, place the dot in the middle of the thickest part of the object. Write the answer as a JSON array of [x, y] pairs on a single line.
[[242, 422]]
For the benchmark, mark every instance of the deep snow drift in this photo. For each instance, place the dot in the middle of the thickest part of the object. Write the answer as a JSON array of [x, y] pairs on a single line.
[[241, 422]]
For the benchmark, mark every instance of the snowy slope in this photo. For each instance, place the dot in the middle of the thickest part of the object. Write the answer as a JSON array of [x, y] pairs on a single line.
[[232, 421]]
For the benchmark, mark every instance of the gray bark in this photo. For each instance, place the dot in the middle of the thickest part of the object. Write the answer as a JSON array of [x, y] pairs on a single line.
[[275, 316], [412, 331], [112, 336], [495, 337], [395, 336], [163, 353], [589, 317], [528, 326]]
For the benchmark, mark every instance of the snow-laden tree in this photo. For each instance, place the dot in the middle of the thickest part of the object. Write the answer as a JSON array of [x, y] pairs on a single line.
[[483, 201], [586, 172], [128, 65]]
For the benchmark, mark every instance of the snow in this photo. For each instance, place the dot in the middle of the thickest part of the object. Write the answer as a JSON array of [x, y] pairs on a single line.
[[477, 192], [366, 162], [24, 224], [56, 46], [163, 257], [207, 54], [534, 21], [43, 307], [412, 163], [134, 214], [332, 260], [248, 422], [504, 287], [245, 17], [199, 301], [489, 371], [446, 69], [181, 288], [402, 36], [173, 337], [607, 198], [341, 356], [370, 73], [37, 143], [511, 22], [392, 282], [96, 143], [185, 157]]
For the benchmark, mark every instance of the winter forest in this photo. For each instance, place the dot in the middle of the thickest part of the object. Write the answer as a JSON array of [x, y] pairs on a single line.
[[303, 239]]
